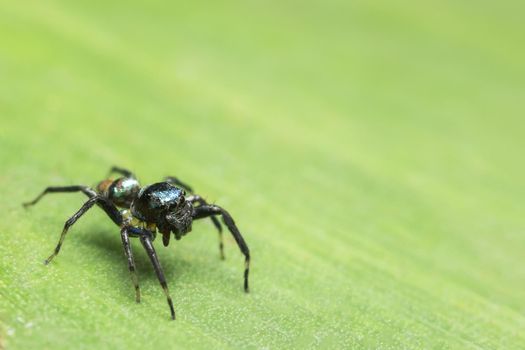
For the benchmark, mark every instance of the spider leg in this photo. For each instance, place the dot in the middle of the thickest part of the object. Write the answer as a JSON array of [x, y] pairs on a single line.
[[131, 262], [204, 211], [121, 171], [201, 201], [175, 181], [146, 240], [107, 206], [61, 189]]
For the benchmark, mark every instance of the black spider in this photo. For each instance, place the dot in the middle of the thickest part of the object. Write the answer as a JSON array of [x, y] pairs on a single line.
[[162, 207]]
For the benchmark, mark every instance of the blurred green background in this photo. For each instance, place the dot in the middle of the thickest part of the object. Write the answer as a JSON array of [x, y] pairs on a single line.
[[371, 153]]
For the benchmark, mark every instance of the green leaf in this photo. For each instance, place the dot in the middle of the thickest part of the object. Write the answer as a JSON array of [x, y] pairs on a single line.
[[370, 153]]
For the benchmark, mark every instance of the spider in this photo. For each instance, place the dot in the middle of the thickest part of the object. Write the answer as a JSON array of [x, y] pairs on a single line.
[[142, 211]]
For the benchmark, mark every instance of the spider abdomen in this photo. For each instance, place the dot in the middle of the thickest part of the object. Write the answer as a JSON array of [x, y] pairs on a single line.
[[121, 191]]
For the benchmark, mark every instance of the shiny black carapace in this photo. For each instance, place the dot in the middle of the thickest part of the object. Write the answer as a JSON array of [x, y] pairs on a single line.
[[142, 211]]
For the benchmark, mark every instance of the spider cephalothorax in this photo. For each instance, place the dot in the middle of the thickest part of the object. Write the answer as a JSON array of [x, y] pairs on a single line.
[[164, 205], [141, 212]]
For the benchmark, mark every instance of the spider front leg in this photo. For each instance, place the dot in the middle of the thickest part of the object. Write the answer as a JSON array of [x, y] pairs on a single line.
[[199, 200], [204, 211], [62, 189], [146, 241], [106, 205], [131, 261]]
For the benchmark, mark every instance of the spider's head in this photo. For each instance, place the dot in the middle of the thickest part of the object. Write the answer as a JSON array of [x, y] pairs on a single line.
[[164, 205]]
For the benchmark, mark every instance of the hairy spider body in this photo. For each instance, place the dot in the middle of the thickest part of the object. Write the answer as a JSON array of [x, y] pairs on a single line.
[[141, 212]]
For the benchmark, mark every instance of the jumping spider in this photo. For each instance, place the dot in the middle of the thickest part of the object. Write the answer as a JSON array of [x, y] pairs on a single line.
[[142, 211]]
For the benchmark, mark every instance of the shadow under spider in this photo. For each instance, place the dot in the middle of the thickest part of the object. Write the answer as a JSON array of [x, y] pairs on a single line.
[[174, 267], [111, 244]]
